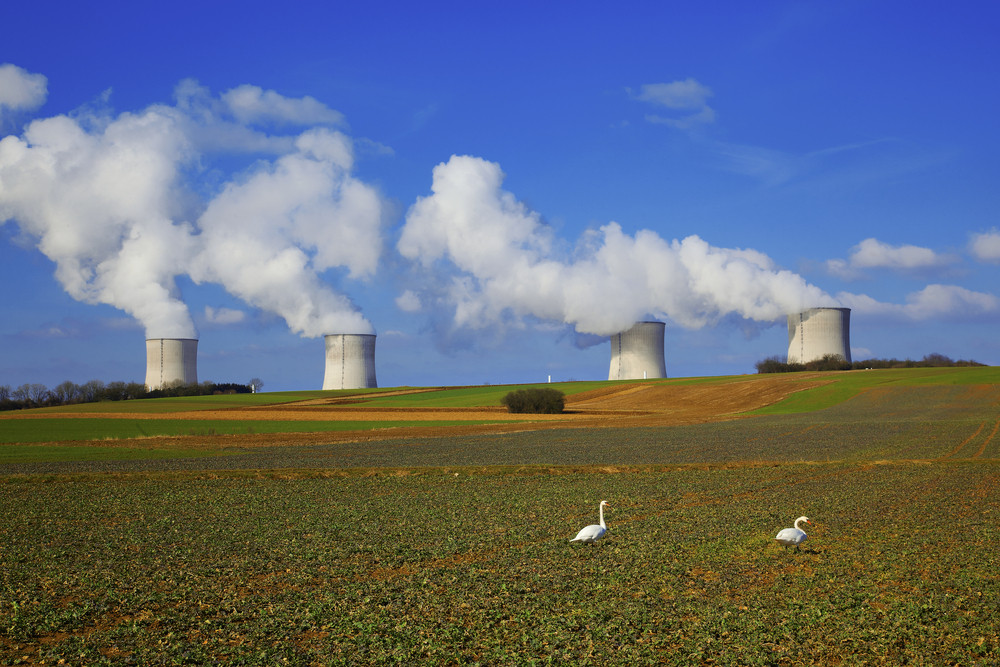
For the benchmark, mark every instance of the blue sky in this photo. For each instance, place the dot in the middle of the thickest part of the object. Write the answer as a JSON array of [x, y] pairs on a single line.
[[492, 189]]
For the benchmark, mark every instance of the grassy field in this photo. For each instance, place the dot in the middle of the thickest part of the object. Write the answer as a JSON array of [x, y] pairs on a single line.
[[456, 550]]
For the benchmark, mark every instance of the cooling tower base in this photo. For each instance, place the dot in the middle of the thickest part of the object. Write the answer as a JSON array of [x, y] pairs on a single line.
[[350, 361], [819, 332], [171, 362], [637, 354]]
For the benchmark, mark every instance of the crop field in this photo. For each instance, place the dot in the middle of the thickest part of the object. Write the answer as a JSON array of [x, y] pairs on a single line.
[[449, 544]]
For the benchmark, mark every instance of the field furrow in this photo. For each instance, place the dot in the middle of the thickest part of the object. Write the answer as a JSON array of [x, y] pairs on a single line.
[[960, 446], [986, 442]]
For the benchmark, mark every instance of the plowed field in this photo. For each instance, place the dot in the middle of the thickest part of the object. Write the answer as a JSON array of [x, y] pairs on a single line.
[[619, 406]]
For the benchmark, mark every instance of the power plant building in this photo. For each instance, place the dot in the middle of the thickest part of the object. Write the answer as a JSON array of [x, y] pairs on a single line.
[[818, 332], [350, 361], [171, 361], [638, 353]]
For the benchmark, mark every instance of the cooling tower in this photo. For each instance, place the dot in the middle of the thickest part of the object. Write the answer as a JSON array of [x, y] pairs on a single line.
[[638, 353], [817, 332], [171, 361], [350, 361]]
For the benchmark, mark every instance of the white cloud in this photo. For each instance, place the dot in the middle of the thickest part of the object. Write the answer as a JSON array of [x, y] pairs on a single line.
[[684, 95], [505, 267], [224, 316], [20, 90], [685, 100], [251, 104], [874, 254], [986, 246], [933, 301], [842, 269]]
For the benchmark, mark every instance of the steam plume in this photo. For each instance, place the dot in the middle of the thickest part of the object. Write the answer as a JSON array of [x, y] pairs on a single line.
[[117, 204], [507, 266], [267, 238], [101, 204]]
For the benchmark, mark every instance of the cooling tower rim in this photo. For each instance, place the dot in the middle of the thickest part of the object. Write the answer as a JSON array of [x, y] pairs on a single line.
[[640, 325], [349, 334], [170, 338]]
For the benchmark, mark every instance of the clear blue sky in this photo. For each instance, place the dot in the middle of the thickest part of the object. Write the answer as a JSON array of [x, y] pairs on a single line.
[[492, 189]]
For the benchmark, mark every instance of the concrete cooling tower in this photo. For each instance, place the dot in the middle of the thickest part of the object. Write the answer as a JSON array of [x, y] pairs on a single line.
[[817, 332], [638, 353], [350, 361], [171, 361]]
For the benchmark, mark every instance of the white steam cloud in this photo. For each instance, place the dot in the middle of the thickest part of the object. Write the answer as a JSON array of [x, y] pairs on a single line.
[[101, 205], [115, 203], [507, 267], [287, 222]]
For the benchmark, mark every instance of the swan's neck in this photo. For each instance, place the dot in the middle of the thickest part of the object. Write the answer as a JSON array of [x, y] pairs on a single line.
[[798, 521], [602, 517]]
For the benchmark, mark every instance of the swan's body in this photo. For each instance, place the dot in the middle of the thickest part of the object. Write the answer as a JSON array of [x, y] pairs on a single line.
[[593, 532], [793, 537]]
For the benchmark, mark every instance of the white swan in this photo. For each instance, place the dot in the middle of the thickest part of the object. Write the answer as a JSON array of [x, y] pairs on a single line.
[[593, 532], [793, 537]]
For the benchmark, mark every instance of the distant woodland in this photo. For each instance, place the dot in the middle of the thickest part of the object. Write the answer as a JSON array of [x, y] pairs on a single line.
[[833, 362], [68, 393]]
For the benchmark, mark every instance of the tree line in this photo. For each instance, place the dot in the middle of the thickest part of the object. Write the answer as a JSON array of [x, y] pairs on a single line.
[[835, 362], [67, 393]]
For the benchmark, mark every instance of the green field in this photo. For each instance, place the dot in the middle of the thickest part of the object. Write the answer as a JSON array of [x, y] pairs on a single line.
[[456, 550]]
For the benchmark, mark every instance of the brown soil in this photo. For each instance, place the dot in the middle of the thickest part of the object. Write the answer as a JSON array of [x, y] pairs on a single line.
[[631, 405]]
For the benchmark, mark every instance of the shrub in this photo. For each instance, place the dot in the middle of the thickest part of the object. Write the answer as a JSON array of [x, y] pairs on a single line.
[[535, 401]]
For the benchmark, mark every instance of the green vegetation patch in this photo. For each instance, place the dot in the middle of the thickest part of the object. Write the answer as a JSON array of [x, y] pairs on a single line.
[[846, 385], [50, 453], [58, 430], [452, 568]]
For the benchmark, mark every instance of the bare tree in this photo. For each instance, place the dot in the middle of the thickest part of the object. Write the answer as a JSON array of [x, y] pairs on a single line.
[[66, 392], [256, 384], [30, 394]]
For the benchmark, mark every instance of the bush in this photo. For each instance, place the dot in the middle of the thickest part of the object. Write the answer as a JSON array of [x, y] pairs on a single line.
[[535, 401]]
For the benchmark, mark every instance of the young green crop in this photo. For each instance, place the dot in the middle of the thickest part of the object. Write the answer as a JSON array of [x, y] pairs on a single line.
[[456, 550], [478, 568]]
